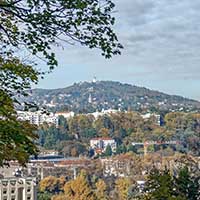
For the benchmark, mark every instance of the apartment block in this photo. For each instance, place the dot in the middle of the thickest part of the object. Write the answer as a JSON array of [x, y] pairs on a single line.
[[18, 188], [38, 117]]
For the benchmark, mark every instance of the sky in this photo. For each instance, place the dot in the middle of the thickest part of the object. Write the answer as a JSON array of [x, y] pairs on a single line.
[[161, 40]]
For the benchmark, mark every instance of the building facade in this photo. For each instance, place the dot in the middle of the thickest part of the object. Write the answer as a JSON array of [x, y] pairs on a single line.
[[38, 117], [155, 117], [18, 188], [99, 144], [66, 115]]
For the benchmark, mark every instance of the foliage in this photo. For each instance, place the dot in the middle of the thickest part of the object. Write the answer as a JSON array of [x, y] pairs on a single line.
[[32, 28], [187, 185], [38, 25], [101, 190], [122, 149], [73, 148], [59, 197], [49, 136], [15, 75], [48, 184], [43, 196], [52, 184], [181, 183], [160, 185], [76, 132], [16, 138], [122, 187], [108, 151], [83, 189], [81, 126], [79, 189], [111, 95]]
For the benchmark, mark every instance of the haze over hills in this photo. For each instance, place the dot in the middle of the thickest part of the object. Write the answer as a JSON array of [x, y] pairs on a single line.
[[98, 95]]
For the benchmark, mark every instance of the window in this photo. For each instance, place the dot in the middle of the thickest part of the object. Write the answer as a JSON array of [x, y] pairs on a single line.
[[12, 190], [28, 182], [13, 182]]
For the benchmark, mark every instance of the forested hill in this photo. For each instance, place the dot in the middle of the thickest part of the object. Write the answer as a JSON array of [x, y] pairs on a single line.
[[90, 96]]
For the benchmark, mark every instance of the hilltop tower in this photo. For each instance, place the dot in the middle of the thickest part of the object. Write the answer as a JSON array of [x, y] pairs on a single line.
[[94, 80]]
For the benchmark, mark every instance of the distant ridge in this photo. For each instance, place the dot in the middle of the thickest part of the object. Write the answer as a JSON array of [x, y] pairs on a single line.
[[92, 96]]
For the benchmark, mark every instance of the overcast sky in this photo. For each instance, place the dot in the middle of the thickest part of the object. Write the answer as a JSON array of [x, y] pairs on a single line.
[[161, 40]]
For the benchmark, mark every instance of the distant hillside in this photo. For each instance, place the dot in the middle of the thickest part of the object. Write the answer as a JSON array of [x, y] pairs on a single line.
[[90, 96]]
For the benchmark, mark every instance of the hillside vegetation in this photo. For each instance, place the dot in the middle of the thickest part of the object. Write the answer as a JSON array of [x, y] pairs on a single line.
[[91, 96]]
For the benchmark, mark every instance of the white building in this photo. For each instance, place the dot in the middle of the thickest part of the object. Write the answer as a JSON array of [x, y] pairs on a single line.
[[18, 188], [66, 115], [119, 166], [38, 117], [99, 144], [155, 116], [103, 112]]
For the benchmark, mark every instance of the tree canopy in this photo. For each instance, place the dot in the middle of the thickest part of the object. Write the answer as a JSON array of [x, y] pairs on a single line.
[[16, 137], [79, 189], [32, 28], [39, 24], [163, 185]]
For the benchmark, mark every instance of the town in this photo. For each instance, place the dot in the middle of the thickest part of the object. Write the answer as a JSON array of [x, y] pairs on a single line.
[[132, 132], [103, 145]]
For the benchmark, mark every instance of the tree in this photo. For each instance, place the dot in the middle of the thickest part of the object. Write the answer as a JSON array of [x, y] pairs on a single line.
[[63, 123], [79, 189], [61, 183], [132, 148], [52, 185], [16, 137], [108, 151], [122, 187], [186, 185], [43, 196], [160, 186], [15, 141], [49, 184], [36, 26], [74, 152], [59, 197], [101, 190], [121, 149], [103, 132], [39, 24], [73, 148]]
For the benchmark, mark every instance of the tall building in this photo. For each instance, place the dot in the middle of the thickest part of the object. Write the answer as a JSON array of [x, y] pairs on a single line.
[[38, 117], [18, 188]]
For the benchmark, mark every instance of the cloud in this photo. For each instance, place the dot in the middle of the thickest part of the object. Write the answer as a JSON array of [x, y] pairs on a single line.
[[134, 12], [162, 33], [161, 40]]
